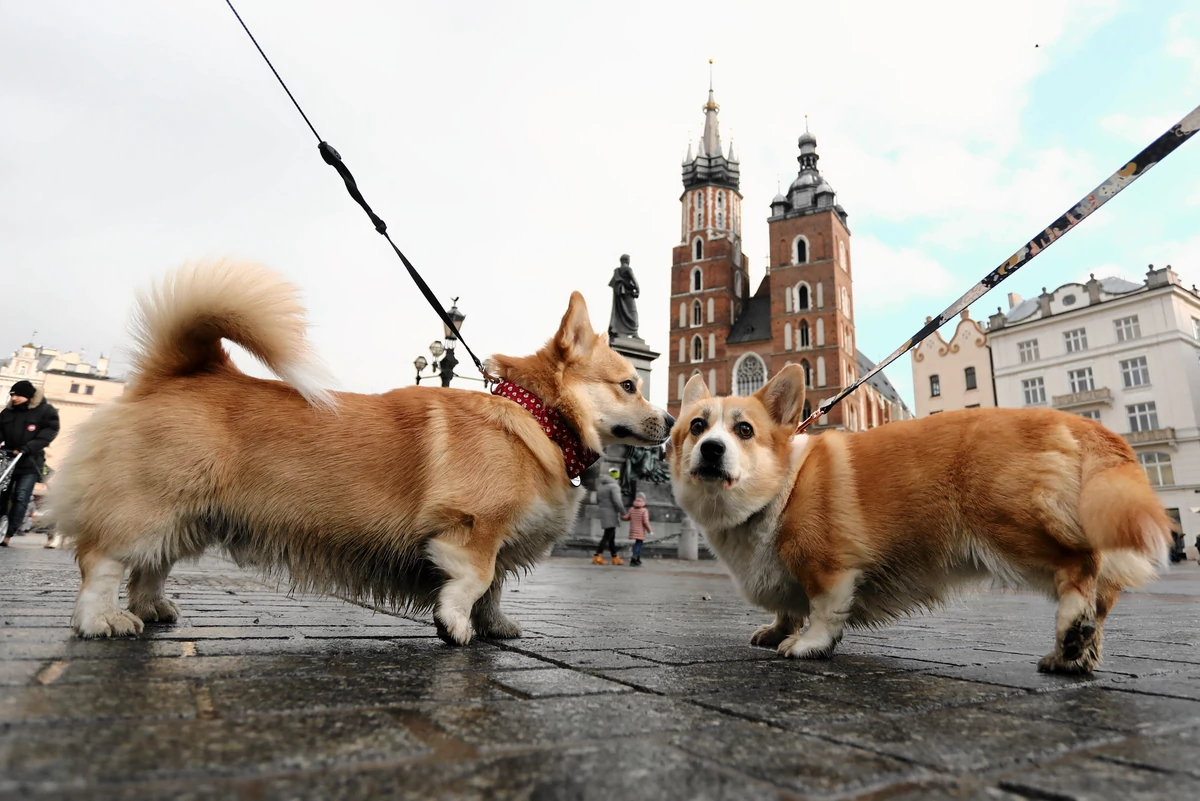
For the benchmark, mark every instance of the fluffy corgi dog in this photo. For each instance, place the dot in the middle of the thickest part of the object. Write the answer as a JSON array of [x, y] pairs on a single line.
[[419, 498], [859, 529]]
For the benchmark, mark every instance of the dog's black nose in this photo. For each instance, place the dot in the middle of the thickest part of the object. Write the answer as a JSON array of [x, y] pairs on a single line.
[[712, 450], [670, 421]]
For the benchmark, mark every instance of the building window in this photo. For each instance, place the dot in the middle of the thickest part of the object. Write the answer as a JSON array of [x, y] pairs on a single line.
[[842, 256], [74, 389], [1158, 468], [1068, 300], [1076, 340], [88, 390], [682, 350], [800, 251], [1135, 372], [1028, 350], [697, 274], [751, 375], [712, 310], [1127, 328], [1142, 416], [697, 313], [1034, 390], [1196, 328], [1081, 380], [697, 349], [21, 369], [807, 409], [1091, 414], [969, 374], [737, 284], [802, 335], [807, 375], [845, 302], [802, 298], [935, 386], [699, 206]]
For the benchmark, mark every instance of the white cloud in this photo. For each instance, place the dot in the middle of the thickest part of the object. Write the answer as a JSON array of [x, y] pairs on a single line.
[[1183, 40], [1138, 129], [888, 278]]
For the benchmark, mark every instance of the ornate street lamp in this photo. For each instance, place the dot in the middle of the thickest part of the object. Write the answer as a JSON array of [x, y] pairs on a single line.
[[444, 360]]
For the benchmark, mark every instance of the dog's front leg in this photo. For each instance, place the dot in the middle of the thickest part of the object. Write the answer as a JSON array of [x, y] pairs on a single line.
[[828, 611], [490, 623], [469, 568]]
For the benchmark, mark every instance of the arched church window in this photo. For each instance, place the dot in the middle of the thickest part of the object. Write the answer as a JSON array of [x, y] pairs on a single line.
[[697, 349], [697, 275], [802, 298], [699, 250], [807, 376], [697, 313], [750, 374], [800, 252], [802, 335]]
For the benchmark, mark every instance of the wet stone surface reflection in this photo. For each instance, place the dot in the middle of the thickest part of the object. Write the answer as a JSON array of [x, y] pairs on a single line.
[[628, 683]]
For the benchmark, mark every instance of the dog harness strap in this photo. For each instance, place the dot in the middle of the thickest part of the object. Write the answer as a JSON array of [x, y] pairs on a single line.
[[576, 455]]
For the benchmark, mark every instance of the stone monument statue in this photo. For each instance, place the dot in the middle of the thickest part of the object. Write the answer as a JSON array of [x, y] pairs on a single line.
[[624, 318]]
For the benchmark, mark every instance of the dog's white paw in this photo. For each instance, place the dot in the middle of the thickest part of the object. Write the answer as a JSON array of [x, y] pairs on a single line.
[[155, 610], [106, 622], [804, 646], [453, 627]]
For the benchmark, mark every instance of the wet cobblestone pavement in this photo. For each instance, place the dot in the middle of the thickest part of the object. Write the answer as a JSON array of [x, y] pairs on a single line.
[[629, 684]]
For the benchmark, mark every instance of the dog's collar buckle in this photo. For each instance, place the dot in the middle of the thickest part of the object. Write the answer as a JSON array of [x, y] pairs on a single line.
[[576, 456]]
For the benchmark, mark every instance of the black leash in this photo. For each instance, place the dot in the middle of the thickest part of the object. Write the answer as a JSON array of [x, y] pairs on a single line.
[[334, 159], [1155, 152]]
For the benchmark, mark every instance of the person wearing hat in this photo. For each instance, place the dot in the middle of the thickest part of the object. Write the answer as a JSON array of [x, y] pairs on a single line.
[[608, 497], [27, 425]]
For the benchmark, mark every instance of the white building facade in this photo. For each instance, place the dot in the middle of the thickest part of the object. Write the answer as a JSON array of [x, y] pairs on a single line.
[[1122, 353]]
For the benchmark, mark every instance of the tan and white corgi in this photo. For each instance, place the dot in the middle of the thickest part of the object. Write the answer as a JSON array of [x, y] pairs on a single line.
[[419, 498], [857, 529]]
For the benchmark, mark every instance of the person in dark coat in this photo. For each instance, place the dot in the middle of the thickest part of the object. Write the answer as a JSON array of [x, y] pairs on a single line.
[[27, 425], [608, 498]]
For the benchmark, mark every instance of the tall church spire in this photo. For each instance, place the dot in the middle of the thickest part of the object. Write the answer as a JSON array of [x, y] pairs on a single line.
[[711, 165]]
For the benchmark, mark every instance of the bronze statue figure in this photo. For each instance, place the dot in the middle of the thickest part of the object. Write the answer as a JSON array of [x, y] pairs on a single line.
[[624, 318]]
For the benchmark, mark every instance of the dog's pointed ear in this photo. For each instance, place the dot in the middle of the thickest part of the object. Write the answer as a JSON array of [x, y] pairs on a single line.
[[575, 337], [784, 396], [696, 390]]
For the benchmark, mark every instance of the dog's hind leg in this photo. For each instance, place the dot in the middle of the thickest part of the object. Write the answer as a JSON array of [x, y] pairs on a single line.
[[469, 569], [490, 623], [828, 612], [97, 606], [1077, 631], [770, 635], [147, 594]]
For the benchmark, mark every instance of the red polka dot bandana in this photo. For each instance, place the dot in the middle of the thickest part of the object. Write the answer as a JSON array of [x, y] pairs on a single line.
[[577, 456]]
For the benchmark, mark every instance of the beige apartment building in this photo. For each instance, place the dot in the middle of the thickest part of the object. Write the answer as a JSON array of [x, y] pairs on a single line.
[[954, 373], [74, 387]]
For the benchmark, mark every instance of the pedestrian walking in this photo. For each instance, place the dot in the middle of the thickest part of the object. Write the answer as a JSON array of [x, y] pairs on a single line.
[[608, 496], [27, 425], [639, 525]]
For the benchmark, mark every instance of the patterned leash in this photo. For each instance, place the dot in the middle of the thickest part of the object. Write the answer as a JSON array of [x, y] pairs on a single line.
[[1158, 150]]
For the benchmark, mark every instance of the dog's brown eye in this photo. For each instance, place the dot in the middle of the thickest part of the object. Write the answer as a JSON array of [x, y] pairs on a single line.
[[629, 387], [744, 430], [698, 427]]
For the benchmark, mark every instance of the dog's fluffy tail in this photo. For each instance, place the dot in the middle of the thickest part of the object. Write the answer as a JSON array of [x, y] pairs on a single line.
[[179, 324], [1120, 512]]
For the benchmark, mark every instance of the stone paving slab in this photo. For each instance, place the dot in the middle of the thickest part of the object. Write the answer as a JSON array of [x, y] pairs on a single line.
[[629, 683]]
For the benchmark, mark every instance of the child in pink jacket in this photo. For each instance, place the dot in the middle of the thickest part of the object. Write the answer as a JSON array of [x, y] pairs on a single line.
[[639, 526]]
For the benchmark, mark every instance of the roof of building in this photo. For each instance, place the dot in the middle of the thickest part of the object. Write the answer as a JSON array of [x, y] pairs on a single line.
[[754, 323], [1110, 286], [879, 380]]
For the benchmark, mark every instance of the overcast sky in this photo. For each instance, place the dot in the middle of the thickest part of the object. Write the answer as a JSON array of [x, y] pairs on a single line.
[[518, 149]]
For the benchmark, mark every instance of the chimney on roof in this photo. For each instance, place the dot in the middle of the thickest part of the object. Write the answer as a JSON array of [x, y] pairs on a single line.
[[1013, 300]]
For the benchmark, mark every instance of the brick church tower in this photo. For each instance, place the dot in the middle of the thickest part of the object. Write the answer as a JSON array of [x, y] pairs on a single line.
[[709, 283], [801, 313]]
